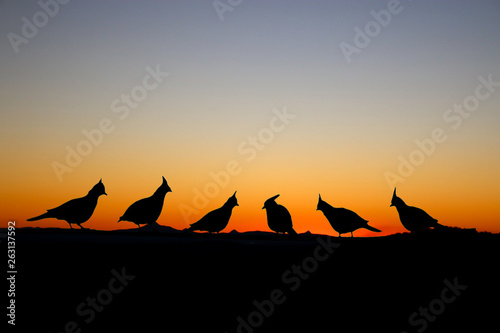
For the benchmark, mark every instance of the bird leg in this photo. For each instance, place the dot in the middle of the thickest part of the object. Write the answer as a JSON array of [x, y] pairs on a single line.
[[81, 226], [351, 234], [70, 225]]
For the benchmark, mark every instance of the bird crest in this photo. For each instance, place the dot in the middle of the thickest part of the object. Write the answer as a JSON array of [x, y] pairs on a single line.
[[232, 201], [270, 201], [321, 204], [164, 185], [395, 201], [98, 189]]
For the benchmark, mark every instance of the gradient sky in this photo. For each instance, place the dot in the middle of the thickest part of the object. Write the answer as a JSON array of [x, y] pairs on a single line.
[[227, 79]]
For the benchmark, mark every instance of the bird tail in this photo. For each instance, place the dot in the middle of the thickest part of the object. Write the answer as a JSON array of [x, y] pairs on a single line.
[[191, 228], [39, 217], [440, 226], [292, 232], [371, 228]]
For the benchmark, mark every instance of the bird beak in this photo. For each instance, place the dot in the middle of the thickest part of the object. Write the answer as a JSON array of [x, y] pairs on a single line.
[[264, 207], [105, 193], [391, 205], [237, 205]]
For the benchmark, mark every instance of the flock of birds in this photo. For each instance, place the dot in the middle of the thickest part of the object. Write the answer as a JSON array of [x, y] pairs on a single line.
[[147, 211]]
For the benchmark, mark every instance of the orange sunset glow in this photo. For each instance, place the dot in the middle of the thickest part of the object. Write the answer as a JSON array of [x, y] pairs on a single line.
[[266, 101]]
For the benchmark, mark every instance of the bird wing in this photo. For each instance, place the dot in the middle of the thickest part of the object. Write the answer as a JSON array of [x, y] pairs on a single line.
[[284, 213], [344, 220], [210, 216], [138, 207], [422, 215], [284, 216], [69, 207], [350, 215]]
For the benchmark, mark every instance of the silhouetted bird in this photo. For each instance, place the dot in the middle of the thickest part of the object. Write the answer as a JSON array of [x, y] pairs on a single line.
[[278, 217], [147, 210], [413, 218], [343, 220], [78, 210], [217, 219]]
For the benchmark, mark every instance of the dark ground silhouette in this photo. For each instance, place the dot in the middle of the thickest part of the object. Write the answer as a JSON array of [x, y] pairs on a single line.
[[192, 282]]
